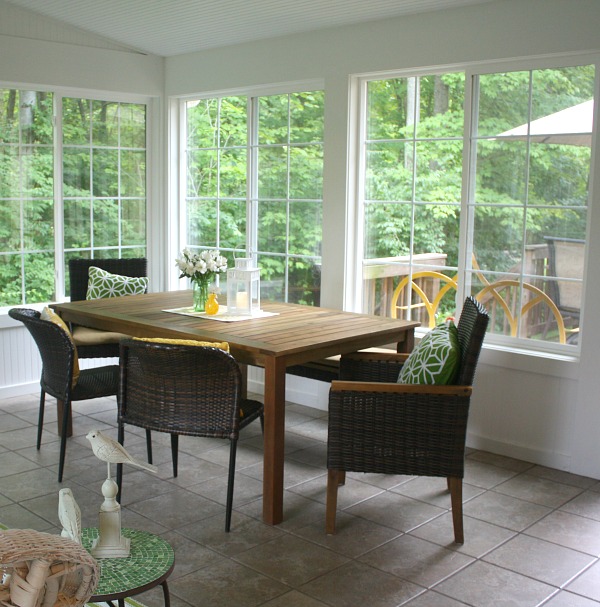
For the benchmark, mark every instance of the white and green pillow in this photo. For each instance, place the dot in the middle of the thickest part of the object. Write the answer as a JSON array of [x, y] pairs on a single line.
[[435, 360], [103, 284]]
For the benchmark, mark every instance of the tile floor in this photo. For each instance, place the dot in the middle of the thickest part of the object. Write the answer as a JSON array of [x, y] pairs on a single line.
[[532, 533]]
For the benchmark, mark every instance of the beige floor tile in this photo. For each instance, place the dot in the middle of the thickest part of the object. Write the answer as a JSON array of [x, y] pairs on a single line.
[[482, 585], [416, 560], [569, 530], [291, 560], [541, 560], [347, 587], [538, 490], [480, 537], [505, 510], [396, 511], [588, 583]]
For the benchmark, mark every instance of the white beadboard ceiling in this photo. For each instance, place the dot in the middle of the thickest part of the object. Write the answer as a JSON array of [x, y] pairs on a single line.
[[174, 27]]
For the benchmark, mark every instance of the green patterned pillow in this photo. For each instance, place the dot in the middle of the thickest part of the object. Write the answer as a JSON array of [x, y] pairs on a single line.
[[435, 360], [102, 284]]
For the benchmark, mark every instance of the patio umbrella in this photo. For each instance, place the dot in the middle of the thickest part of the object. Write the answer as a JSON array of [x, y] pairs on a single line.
[[572, 126]]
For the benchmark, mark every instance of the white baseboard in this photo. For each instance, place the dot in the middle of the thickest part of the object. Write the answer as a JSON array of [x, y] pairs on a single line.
[[541, 457], [20, 389]]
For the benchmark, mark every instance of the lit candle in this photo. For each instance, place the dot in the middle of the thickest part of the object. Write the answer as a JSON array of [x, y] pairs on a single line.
[[241, 301]]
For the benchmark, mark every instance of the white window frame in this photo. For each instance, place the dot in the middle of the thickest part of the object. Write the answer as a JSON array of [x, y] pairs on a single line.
[[177, 120], [152, 167], [355, 246]]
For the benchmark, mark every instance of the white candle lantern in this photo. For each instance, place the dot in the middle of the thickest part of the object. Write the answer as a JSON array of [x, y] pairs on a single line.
[[243, 288]]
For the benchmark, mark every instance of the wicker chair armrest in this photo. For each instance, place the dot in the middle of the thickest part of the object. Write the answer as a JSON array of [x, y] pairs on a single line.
[[395, 388]]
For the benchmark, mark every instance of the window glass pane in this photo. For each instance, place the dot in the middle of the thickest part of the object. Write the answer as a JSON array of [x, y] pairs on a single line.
[[133, 173], [38, 270], [76, 120], [306, 228], [232, 173], [272, 226], [306, 172], [389, 174], [9, 171], [232, 122], [133, 222], [232, 224], [496, 160], [441, 107], [133, 125], [498, 238], [272, 277], [37, 171], [304, 282], [272, 172], [202, 173], [105, 172], [105, 222], [105, 123], [202, 223], [38, 225], [11, 293], [10, 232], [503, 102], [306, 117], [273, 119], [76, 172], [202, 123], [78, 222], [558, 174], [9, 116]]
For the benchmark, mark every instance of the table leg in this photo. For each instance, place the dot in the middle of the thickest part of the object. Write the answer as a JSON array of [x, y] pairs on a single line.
[[166, 595], [274, 441], [408, 344]]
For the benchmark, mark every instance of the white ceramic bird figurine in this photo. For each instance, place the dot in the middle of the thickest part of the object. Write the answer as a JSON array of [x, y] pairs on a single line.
[[112, 452], [69, 515]]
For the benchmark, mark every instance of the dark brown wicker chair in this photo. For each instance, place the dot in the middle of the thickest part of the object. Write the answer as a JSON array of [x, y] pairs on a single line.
[[377, 425], [184, 389], [78, 280], [58, 356]]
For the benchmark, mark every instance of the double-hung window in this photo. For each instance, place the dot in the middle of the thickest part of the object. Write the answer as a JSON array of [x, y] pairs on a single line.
[[254, 167], [491, 203], [72, 184]]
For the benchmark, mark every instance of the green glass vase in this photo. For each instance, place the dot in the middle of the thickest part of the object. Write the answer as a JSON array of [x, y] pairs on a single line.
[[200, 289]]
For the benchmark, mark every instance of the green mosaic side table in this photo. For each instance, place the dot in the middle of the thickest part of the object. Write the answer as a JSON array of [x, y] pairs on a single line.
[[149, 564]]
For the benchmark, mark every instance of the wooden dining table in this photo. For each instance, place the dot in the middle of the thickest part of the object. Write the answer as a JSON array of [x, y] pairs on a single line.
[[293, 334]]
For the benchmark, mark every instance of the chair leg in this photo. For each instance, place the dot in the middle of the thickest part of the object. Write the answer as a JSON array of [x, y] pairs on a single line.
[[66, 420], [333, 482], [149, 445], [230, 481], [41, 419], [174, 452], [455, 487]]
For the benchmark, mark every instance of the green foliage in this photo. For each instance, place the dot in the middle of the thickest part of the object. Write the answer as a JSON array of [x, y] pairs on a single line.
[[108, 136]]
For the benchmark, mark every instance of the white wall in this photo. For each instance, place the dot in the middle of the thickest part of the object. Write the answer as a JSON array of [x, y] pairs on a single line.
[[537, 409]]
